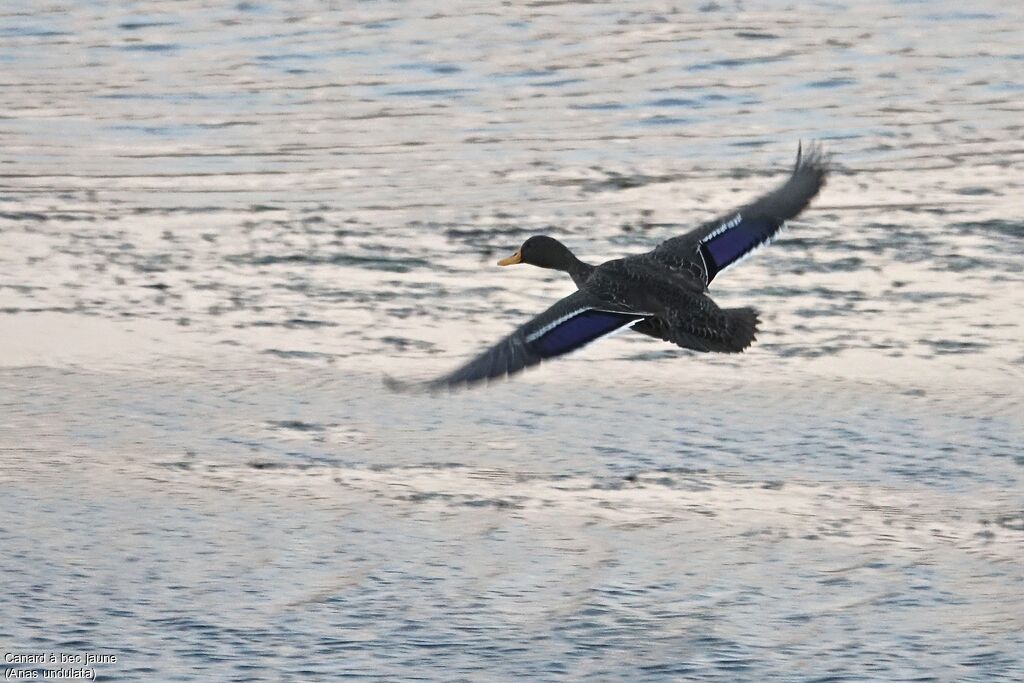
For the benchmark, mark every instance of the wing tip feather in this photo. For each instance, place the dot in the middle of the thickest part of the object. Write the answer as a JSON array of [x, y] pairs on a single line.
[[812, 160], [430, 386]]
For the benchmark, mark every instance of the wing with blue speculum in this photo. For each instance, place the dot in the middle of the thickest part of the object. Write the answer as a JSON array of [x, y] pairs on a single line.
[[727, 240], [737, 239], [568, 325]]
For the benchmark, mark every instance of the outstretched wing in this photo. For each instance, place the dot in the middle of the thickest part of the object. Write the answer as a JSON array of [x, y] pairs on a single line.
[[569, 324], [725, 241]]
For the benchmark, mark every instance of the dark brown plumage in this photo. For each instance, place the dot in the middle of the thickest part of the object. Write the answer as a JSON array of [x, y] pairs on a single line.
[[661, 293]]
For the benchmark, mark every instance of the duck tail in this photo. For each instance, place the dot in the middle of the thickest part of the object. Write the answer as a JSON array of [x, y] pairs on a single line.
[[742, 327]]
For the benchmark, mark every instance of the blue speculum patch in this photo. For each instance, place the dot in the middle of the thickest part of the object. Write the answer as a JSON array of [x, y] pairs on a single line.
[[731, 245], [579, 330]]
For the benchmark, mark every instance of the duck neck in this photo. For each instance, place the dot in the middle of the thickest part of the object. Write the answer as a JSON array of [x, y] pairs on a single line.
[[578, 270]]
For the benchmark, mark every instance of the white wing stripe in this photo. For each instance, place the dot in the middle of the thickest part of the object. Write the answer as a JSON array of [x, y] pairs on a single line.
[[732, 223], [550, 326], [533, 336]]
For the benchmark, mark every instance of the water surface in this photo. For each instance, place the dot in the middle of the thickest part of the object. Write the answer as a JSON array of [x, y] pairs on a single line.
[[221, 224]]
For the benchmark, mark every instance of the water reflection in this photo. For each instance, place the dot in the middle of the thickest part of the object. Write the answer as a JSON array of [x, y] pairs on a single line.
[[220, 226]]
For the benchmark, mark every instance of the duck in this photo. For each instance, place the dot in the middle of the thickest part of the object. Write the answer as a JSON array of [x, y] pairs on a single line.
[[662, 293]]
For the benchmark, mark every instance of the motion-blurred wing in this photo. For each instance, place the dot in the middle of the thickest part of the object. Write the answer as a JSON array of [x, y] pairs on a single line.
[[726, 241], [570, 324]]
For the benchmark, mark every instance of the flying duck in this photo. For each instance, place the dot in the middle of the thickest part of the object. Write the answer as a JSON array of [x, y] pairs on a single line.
[[661, 293]]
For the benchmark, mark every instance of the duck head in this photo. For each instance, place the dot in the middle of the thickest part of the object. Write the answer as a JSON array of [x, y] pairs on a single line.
[[544, 252]]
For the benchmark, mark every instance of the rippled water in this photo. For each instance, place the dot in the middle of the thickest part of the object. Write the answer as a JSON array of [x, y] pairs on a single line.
[[220, 224]]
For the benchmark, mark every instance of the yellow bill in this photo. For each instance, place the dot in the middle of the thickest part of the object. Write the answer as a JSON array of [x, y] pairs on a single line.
[[512, 260]]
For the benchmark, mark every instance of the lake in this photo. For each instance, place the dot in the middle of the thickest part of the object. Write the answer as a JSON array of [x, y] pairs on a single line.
[[221, 225]]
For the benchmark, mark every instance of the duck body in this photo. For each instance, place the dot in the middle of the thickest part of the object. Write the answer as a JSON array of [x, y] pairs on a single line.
[[670, 302], [662, 293]]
